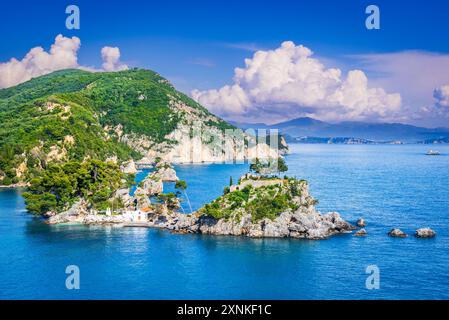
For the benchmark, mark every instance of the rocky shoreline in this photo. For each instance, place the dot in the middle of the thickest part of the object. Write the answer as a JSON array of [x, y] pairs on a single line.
[[15, 185], [313, 226], [298, 225], [299, 219], [302, 222]]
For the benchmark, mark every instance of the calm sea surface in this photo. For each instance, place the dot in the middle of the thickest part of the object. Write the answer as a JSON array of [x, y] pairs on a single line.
[[390, 186]]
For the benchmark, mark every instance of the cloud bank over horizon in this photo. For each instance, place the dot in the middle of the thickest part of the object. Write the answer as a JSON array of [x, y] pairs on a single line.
[[63, 54], [289, 80]]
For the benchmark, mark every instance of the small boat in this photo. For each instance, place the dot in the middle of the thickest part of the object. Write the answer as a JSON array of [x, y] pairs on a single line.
[[433, 153]]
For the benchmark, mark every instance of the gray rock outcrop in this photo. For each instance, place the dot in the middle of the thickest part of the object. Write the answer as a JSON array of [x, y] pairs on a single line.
[[425, 233], [361, 233], [123, 195], [361, 223], [129, 167], [151, 185], [78, 209], [288, 224], [165, 172], [397, 233]]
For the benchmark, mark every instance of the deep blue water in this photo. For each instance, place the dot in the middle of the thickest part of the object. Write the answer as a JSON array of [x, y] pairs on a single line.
[[390, 186]]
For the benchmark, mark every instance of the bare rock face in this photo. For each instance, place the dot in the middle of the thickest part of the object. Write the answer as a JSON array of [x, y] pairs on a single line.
[[288, 224], [49, 214], [199, 148], [361, 223], [285, 149], [74, 214], [140, 200], [123, 195], [397, 233], [167, 174], [130, 167], [361, 233], [425, 233], [152, 185]]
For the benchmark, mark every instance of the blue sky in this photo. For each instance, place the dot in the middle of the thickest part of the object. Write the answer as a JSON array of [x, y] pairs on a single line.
[[197, 44]]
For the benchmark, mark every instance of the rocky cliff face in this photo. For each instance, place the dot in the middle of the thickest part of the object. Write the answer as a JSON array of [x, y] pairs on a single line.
[[201, 137], [301, 225], [220, 148]]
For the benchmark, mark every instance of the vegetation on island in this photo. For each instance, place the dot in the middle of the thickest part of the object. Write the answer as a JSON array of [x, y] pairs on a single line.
[[261, 197], [262, 194], [181, 185], [60, 185], [269, 166], [170, 200]]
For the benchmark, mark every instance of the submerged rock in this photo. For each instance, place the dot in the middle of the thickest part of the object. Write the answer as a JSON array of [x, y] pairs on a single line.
[[361, 223], [425, 233], [397, 233], [361, 233]]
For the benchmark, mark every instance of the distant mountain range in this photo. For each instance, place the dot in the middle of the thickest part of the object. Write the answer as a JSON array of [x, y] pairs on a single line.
[[310, 130]]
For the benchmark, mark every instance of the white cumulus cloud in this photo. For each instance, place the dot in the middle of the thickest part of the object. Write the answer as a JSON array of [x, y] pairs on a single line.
[[63, 54], [111, 59], [290, 81]]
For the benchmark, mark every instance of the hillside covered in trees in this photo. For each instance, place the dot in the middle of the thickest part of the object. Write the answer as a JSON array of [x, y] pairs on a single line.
[[75, 115]]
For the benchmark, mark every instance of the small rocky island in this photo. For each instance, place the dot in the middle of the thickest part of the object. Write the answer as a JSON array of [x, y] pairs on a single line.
[[257, 206]]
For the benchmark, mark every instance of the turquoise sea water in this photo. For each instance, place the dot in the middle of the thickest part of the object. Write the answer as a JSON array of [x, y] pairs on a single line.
[[390, 186]]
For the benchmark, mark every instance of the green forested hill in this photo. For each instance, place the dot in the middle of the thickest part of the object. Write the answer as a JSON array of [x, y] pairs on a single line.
[[72, 115]]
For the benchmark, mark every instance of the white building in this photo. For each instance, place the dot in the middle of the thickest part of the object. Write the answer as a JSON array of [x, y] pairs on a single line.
[[140, 215]]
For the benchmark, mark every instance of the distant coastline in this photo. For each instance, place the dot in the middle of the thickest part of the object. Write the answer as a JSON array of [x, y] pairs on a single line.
[[309, 130], [352, 140]]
